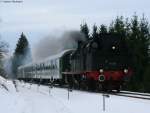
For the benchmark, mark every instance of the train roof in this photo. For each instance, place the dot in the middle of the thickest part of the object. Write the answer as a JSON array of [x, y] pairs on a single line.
[[56, 56], [61, 54]]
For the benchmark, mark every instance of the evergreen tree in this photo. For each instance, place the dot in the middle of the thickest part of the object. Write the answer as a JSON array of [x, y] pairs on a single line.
[[85, 30], [22, 45], [118, 27], [134, 45], [144, 49], [95, 32], [103, 29], [22, 54], [139, 44], [144, 38], [111, 28], [127, 28]]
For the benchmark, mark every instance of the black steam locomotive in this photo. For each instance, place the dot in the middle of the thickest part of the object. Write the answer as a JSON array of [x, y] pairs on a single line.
[[102, 63]]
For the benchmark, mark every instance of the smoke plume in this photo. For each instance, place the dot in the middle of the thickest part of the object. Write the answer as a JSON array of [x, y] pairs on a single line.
[[7, 64], [52, 45], [11, 63]]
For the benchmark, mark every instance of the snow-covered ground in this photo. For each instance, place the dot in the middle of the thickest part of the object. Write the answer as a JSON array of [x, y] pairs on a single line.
[[34, 99]]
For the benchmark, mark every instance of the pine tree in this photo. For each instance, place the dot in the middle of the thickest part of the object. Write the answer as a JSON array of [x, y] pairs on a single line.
[[144, 48], [127, 28], [22, 54], [22, 45], [95, 32], [139, 44], [85, 30], [103, 29], [133, 45], [144, 38], [111, 28], [118, 27]]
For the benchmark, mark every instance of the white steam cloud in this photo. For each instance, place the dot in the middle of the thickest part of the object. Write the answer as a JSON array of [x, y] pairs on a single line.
[[52, 44]]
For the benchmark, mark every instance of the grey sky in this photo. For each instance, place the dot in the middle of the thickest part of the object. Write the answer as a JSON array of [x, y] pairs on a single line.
[[38, 18]]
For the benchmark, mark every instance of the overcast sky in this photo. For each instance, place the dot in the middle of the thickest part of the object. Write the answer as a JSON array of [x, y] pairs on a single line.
[[38, 18]]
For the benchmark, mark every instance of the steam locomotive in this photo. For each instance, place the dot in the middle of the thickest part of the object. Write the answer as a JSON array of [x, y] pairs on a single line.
[[102, 63]]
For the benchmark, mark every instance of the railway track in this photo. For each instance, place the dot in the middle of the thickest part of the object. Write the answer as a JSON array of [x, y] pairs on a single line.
[[137, 95]]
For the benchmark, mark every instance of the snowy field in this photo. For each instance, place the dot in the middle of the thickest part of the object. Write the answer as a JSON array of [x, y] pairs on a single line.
[[33, 99]]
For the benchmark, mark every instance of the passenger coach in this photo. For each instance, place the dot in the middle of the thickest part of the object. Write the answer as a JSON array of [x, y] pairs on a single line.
[[48, 69]]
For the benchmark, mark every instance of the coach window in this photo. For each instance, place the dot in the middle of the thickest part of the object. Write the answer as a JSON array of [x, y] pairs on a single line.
[[51, 63], [46, 66], [43, 66], [49, 66], [56, 66]]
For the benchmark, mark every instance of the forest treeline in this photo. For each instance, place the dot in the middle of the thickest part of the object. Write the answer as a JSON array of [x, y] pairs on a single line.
[[136, 32]]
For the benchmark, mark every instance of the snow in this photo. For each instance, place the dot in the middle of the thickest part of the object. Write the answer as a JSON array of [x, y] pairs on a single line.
[[40, 99]]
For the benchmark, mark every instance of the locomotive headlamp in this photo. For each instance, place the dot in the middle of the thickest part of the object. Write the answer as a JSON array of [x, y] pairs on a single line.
[[125, 70], [113, 47], [101, 70]]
